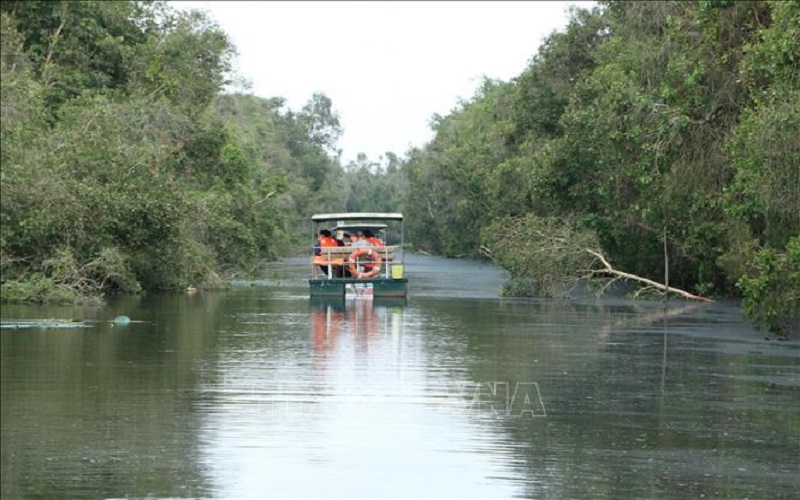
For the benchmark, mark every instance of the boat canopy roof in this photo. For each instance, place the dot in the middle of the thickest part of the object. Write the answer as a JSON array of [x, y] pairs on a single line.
[[353, 228], [357, 216]]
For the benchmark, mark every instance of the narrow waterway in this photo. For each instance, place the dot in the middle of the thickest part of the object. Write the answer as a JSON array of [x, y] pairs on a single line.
[[259, 392]]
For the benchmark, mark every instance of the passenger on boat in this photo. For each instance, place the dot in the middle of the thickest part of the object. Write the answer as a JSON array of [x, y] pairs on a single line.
[[375, 241], [325, 239], [366, 239], [357, 240], [372, 239], [324, 259], [360, 241]]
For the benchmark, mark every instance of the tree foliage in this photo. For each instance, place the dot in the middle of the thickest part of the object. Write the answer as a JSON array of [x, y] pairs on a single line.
[[659, 132], [644, 124], [126, 169]]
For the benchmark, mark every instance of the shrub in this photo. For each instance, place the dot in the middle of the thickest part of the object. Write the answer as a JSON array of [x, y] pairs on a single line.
[[771, 289]]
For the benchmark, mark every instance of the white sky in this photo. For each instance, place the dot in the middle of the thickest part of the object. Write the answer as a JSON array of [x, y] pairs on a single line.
[[386, 66]]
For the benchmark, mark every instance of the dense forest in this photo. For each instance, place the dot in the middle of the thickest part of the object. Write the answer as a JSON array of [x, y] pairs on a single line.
[[656, 139]]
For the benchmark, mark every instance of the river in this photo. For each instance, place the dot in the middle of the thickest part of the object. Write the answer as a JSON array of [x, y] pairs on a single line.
[[258, 392]]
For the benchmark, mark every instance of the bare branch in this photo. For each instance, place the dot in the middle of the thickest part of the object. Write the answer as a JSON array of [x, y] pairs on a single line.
[[549, 256], [265, 198], [48, 62], [660, 286]]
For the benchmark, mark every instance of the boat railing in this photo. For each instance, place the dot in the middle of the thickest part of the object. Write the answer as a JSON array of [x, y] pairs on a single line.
[[391, 260]]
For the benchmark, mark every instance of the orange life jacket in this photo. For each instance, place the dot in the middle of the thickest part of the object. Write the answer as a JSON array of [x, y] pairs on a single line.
[[321, 257], [327, 241]]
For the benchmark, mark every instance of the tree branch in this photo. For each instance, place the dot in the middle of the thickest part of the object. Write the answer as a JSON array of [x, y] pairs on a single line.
[[608, 269], [51, 48]]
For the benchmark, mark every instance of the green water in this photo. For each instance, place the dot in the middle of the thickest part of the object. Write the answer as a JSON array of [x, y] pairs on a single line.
[[256, 392]]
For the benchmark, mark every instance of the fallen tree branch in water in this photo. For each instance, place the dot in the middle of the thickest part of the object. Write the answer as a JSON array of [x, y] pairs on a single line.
[[609, 269], [549, 257]]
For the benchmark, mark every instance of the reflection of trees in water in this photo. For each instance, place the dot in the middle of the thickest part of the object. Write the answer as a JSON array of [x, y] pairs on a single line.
[[108, 411], [618, 420], [629, 412]]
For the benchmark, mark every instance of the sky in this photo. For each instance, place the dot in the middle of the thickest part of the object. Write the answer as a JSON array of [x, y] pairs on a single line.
[[387, 66]]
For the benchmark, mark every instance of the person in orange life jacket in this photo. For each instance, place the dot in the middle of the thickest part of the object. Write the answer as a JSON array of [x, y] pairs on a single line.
[[367, 239], [372, 239], [321, 258], [325, 239]]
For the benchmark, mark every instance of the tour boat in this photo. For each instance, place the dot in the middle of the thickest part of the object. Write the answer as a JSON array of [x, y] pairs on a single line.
[[373, 270]]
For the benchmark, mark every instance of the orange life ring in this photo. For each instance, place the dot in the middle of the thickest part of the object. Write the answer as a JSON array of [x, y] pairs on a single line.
[[376, 263]]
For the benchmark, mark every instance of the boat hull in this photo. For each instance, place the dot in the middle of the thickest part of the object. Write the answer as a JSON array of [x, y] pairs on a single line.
[[337, 287]]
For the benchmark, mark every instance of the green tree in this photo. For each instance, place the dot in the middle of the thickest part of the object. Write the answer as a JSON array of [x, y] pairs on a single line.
[[98, 152]]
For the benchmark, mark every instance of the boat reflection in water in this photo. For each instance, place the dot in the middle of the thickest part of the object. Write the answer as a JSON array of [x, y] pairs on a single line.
[[343, 325]]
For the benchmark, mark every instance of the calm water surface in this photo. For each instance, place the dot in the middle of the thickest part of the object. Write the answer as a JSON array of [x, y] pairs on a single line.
[[257, 392]]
